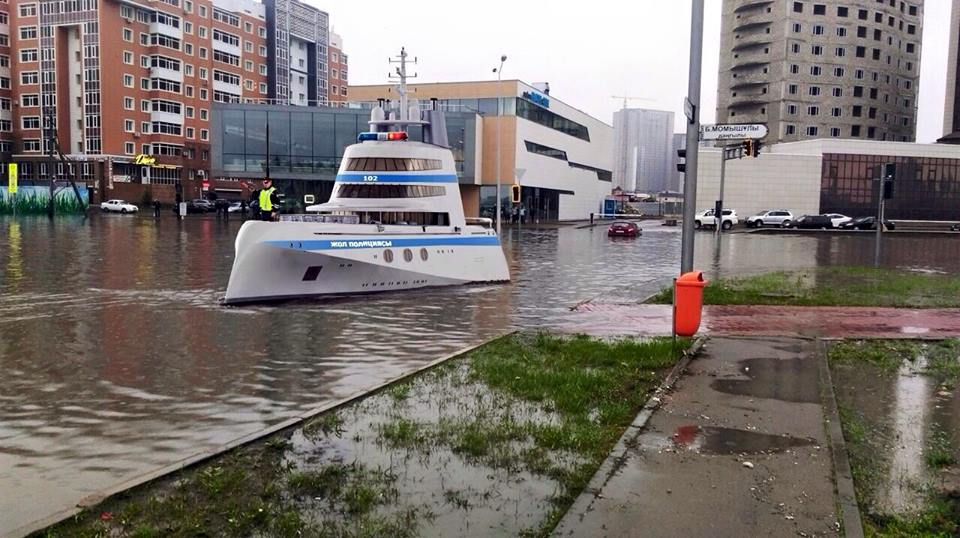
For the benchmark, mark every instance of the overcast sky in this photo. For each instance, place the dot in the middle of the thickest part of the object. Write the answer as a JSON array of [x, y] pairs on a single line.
[[588, 53]]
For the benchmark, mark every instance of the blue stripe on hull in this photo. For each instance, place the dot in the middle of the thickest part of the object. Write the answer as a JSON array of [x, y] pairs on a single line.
[[387, 177], [346, 244]]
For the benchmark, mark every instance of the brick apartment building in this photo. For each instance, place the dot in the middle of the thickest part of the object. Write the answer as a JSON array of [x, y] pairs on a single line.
[[114, 80], [338, 71]]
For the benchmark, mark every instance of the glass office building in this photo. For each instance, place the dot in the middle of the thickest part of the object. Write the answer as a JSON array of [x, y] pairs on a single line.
[[302, 147]]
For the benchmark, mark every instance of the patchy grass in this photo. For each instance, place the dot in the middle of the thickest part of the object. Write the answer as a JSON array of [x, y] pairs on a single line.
[[545, 407], [833, 286], [871, 437]]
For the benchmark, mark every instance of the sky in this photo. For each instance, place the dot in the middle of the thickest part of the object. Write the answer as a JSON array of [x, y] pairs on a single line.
[[636, 48]]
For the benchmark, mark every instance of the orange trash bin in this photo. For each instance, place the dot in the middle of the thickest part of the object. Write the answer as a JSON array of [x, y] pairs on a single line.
[[688, 303]]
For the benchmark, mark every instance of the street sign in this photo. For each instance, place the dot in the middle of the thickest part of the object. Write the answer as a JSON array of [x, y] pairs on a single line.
[[12, 178], [733, 131], [688, 109]]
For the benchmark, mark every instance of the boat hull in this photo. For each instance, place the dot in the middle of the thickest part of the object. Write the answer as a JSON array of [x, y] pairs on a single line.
[[286, 260]]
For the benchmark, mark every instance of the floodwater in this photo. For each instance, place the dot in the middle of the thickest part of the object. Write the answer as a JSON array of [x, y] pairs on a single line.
[[117, 358]]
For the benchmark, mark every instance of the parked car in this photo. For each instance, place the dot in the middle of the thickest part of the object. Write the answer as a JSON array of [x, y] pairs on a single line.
[[771, 217], [867, 223], [235, 207], [118, 206], [623, 228], [708, 219], [838, 219], [813, 222], [199, 205]]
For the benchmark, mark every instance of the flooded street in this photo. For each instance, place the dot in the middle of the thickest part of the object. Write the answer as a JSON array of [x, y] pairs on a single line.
[[117, 358]]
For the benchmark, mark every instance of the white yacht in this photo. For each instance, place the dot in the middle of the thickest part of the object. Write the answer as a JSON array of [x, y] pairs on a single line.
[[395, 221]]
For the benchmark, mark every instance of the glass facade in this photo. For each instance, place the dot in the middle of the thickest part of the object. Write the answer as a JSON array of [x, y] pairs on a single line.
[[309, 143], [924, 189], [538, 204]]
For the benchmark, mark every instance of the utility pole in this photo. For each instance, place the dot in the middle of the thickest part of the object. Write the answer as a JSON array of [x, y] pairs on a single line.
[[692, 110]]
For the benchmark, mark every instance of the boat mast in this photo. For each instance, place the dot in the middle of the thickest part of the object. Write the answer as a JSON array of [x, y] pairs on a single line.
[[402, 76]]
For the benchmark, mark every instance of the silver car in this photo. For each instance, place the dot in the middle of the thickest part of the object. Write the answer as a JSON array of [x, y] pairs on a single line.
[[772, 217]]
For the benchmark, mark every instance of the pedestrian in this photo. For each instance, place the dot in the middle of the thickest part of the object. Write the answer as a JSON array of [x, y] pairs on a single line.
[[523, 214], [156, 208], [268, 201], [243, 208]]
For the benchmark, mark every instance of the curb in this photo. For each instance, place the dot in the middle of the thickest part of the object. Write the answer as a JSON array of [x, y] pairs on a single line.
[[98, 497], [843, 478], [618, 455]]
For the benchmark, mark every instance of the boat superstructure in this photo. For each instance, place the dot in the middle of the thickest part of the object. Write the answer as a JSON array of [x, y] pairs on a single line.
[[394, 221]]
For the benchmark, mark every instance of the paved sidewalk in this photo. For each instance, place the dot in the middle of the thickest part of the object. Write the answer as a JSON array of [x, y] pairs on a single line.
[[738, 448], [806, 321]]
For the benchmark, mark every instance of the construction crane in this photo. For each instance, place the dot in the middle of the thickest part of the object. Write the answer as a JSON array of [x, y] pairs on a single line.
[[630, 98]]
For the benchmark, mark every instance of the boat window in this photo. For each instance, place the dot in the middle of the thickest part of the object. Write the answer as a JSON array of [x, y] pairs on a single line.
[[402, 218], [372, 190], [391, 164]]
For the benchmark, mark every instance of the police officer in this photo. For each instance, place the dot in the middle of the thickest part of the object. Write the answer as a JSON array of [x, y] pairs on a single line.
[[268, 201]]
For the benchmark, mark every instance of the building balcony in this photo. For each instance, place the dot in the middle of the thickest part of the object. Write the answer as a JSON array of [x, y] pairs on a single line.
[[169, 74], [743, 80], [747, 5], [167, 117], [741, 101], [166, 29], [752, 41], [225, 47], [752, 19], [233, 89]]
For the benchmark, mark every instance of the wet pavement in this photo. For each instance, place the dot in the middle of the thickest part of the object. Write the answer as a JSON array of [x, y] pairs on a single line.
[[726, 454], [600, 319], [118, 359]]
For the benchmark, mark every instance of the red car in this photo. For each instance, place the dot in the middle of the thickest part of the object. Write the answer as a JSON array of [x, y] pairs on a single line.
[[623, 228]]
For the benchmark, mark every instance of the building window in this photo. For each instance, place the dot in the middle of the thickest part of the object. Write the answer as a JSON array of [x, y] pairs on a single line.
[[814, 90], [263, 88], [248, 27], [841, 31], [812, 130], [335, 90], [819, 9], [816, 50], [795, 48], [128, 126], [31, 145], [28, 32], [813, 111], [838, 72], [262, 32], [836, 112], [30, 100], [791, 130], [838, 92], [204, 134], [28, 55], [128, 103], [29, 78], [144, 106], [798, 7], [202, 32], [263, 51], [248, 65], [30, 122], [792, 110], [128, 57], [28, 10], [815, 70], [842, 11], [835, 132], [817, 29], [792, 89], [871, 132], [861, 52], [840, 52], [128, 35], [204, 114], [263, 70], [248, 46]]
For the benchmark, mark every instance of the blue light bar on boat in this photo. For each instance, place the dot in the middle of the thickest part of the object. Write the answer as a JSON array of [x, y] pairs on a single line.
[[397, 135]]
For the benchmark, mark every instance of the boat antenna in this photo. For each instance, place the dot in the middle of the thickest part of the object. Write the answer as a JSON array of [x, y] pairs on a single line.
[[402, 76]]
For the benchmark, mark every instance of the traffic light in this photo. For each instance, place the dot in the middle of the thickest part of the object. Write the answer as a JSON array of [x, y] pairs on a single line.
[[756, 147], [515, 193], [751, 148], [682, 167], [889, 175]]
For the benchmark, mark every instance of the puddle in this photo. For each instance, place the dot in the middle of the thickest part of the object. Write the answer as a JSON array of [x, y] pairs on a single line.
[[895, 416], [788, 380], [711, 440]]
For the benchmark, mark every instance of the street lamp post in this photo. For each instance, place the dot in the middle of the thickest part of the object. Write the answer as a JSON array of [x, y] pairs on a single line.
[[499, 72]]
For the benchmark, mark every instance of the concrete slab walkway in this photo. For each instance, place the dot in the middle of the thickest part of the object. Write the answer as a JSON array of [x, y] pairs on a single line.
[[806, 321], [737, 449]]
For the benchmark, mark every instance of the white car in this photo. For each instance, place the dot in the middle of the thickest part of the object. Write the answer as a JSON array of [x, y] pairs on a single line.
[[837, 219], [235, 207], [708, 219], [118, 206], [772, 217]]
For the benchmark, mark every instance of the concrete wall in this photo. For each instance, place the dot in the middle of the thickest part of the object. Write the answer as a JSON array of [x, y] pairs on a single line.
[[770, 181]]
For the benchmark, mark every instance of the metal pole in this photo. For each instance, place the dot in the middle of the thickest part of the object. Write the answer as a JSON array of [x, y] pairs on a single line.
[[882, 180], [693, 136], [718, 219], [499, 128]]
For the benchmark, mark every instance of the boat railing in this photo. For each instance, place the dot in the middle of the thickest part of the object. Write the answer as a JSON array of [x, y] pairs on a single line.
[[330, 219]]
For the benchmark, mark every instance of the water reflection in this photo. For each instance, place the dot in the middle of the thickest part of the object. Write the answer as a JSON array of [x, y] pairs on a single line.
[[912, 393], [117, 358]]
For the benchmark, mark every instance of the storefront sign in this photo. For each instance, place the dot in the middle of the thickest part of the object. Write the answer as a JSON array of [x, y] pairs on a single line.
[[12, 177], [145, 160], [538, 99]]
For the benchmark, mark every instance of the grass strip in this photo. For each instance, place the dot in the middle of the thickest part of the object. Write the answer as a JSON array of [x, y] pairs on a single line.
[[832, 286], [870, 439], [551, 406]]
